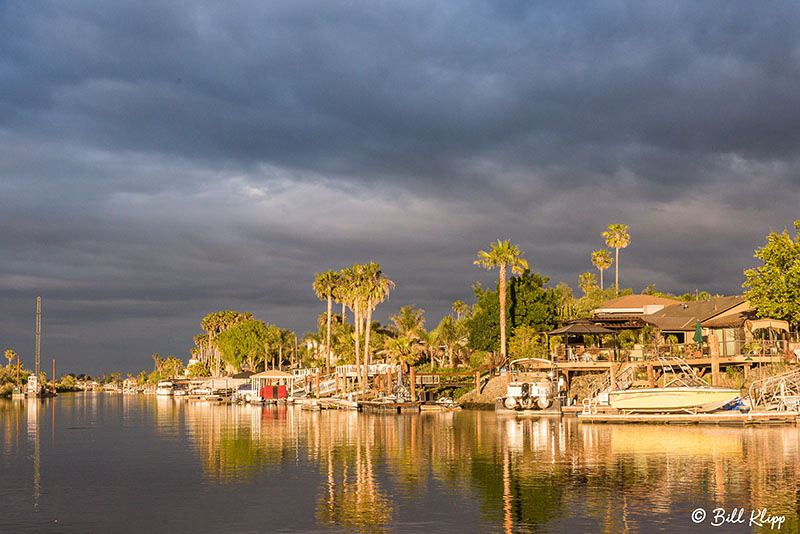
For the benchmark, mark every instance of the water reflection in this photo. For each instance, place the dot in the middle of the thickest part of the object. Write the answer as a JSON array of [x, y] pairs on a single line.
[[429, 472]]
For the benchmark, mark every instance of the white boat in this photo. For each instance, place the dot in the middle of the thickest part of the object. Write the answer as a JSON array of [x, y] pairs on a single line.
[[531, 389], [165, 388], [672, 399], [686, 392], [32, 388]]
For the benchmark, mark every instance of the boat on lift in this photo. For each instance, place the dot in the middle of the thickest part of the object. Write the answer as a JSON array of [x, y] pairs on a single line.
[[685, 392]]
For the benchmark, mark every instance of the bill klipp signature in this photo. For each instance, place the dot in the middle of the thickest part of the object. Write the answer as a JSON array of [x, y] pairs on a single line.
[[720, 516]]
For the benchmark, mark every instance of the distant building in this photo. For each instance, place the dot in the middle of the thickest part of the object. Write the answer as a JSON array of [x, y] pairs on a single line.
[[635, 305]]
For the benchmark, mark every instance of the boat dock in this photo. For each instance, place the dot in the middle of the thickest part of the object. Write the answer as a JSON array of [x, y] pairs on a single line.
[[727, 418]]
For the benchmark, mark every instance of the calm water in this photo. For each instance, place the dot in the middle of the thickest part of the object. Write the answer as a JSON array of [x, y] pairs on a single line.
[[134, 463]]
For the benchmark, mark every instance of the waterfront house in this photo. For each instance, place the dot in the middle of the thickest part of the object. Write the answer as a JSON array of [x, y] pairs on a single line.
[[679, 320], [735, 333]]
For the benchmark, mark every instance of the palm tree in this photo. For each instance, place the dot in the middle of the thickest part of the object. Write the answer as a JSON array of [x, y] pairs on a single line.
[[10, 355], [586, 281], [617, 237], [460, 308], [351, 280], [602, 260], [374, 290], [409, 322], [450, 335], [503, 254], [324, 285]]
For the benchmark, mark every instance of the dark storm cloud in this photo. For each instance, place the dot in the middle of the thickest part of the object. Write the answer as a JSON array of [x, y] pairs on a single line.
[[160, 161]]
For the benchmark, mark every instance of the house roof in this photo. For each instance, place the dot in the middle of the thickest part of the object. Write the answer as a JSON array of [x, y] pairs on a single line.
[[684, 316], [747, 319], [581, 327], [631, 303]]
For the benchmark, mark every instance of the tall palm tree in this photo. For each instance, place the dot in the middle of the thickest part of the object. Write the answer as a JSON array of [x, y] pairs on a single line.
[[340, 292], [503, 255], [617, 237], [602, 260], [350, 282], [324, 284], [375, 289]]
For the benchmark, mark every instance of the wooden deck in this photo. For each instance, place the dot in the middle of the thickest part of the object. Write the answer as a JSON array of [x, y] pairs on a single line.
[[719, 418], [604, 365]]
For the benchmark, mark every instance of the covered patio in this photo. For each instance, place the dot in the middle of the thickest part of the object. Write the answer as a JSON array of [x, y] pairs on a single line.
[[575, 333]]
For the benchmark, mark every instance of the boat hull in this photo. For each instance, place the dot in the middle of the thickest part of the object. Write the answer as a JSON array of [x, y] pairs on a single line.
[[677, 399]]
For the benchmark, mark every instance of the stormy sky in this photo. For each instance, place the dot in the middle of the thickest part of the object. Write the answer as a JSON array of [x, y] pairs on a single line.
[[163, 160]]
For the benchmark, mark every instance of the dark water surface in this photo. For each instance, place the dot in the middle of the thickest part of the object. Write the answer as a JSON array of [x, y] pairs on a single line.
[[105, 462]]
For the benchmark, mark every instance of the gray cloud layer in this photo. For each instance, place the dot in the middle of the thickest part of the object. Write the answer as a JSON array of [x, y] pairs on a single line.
[[161, 161]]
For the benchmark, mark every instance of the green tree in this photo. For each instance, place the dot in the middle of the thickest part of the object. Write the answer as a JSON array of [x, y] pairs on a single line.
[[529, 302], [214, 324], [324, 285], [525, 342], [502, 255], [617, 237], [774, 287], [248, 343], [602, 260]]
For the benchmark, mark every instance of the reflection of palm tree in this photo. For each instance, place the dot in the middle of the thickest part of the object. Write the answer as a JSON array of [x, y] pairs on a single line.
[[503, 254]]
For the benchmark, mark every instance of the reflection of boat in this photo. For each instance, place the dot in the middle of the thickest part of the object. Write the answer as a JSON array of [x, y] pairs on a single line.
[[441, 405], [669, 440], [532, 389], [165, 388], [685, 392]]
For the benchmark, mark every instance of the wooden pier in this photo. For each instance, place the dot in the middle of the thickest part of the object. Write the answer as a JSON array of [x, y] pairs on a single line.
[[727, 418], [389, 407]]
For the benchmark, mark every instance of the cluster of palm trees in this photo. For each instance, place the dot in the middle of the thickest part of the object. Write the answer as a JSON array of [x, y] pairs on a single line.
[[616, 237], [361, 288]]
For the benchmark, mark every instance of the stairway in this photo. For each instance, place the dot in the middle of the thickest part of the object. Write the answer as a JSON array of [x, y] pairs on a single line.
[[603, 385]]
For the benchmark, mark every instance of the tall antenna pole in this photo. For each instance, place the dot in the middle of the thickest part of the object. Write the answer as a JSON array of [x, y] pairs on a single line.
[[38, 331]]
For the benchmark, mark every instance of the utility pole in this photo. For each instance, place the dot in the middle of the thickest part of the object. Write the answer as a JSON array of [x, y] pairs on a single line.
[[38, 332]]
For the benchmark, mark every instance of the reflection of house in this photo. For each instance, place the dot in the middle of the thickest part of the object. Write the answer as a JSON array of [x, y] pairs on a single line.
[[680, 319]]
